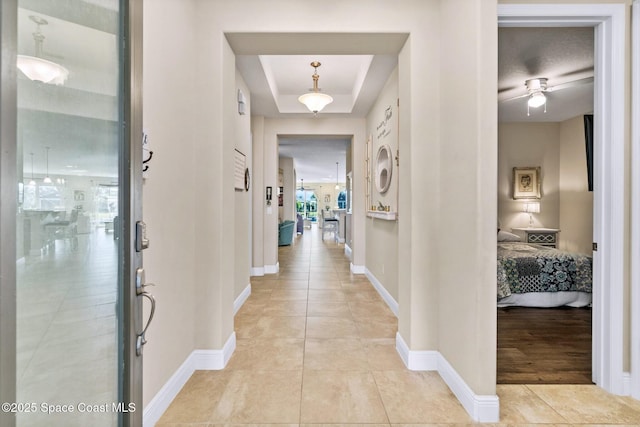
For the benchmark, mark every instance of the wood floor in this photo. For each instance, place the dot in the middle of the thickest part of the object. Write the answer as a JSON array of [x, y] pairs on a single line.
[[544, 345]]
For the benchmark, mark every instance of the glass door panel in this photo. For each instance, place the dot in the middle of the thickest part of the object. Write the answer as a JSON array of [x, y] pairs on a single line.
[[69, 337]]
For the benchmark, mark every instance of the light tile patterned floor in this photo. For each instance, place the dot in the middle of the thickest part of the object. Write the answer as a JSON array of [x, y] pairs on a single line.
[[316, 346]]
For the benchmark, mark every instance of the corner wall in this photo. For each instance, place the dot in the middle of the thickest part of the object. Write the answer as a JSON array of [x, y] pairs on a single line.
[[466, 235]]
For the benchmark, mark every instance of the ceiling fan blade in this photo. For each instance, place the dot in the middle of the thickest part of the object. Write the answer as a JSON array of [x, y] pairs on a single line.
[[573, 83], [512, 98]]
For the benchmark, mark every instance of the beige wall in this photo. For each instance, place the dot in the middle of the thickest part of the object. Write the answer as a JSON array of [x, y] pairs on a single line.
[[382, 235], [168, 206], [523, 145], [267, 136], [242, 199], [465, 236], [436, 203], [576, 201], [287, 165], [559, 149]]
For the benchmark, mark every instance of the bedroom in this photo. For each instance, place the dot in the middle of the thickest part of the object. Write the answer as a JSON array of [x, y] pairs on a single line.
[[552, 138]]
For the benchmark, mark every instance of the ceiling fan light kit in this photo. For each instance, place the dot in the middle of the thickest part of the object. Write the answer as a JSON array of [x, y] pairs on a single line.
[[37, 68], [536, 89], [314, 100]]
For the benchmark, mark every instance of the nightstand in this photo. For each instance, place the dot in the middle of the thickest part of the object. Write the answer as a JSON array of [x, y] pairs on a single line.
[[539, 236]]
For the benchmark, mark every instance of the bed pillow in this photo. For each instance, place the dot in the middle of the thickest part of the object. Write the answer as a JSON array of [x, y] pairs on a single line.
[[505, 236]]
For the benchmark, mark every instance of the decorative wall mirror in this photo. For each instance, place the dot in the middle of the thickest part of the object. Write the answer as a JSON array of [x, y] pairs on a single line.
[[383, 168]]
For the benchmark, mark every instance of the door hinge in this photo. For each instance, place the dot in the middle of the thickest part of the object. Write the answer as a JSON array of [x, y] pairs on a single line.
[[594, 246]]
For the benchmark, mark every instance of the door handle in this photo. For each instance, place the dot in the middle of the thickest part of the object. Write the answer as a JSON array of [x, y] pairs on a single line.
[[140, 286]]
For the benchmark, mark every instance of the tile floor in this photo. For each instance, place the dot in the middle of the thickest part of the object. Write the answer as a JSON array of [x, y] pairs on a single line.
[[316, 346], [67, 349]]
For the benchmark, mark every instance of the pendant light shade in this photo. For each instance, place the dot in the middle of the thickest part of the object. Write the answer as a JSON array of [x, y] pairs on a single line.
[[314, 100], [41, 70], [337, 185], [35, 67]]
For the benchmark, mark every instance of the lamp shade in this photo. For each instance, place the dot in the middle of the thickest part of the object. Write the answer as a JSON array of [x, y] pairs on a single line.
[[42, 70], [315, 101], [531, 207], [537, 99]]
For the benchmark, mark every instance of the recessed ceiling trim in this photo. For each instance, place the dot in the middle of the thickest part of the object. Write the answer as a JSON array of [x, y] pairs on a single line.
[[316, 43]]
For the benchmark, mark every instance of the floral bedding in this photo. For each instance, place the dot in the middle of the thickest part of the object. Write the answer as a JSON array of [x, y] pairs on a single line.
[[526, 268]]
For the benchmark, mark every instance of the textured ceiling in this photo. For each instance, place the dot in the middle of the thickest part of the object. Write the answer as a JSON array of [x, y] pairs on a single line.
[[562, 55]]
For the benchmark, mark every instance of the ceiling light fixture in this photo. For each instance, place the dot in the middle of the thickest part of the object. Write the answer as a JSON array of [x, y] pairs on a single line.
[[46, 179], [39, 69], [33, 181], [337, 186], [315, 101], [536, 89]]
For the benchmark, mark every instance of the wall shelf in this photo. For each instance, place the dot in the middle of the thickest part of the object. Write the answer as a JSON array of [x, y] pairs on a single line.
[[388, 216]]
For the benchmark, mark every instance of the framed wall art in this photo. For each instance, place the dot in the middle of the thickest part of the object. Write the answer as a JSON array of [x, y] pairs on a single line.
[[526, 183]]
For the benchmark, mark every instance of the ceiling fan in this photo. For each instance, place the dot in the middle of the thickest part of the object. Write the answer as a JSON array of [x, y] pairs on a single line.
[[303, 188], [536, 89]]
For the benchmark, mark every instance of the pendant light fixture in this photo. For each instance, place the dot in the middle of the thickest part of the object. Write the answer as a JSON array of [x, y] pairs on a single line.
[[46, 179], [337, 185], [33, 181], [314, 100], [39, 69]]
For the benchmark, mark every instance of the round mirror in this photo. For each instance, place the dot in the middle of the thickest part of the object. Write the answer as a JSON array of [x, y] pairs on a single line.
[[383, 165]]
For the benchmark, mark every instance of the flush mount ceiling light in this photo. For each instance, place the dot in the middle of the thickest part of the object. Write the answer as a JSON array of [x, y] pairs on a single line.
[[39, 69], [315, 101]]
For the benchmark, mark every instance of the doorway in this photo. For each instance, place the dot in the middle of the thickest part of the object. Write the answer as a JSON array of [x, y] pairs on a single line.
[[70, 312], [609, 24]]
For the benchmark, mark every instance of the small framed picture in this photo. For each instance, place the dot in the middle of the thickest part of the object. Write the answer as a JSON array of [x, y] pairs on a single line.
[[526, 183]]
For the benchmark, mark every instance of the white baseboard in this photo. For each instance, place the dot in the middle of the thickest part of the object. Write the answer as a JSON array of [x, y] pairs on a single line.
[[272, 269], [482, 408], [348, 251], [213, 360], [237, 304], [357, 269], [161, 401], [386, 296], [198, 360], [626, 383], [256, 271], [416, 360]]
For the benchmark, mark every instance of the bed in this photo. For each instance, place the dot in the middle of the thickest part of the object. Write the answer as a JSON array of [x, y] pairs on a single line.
[[532, 275]]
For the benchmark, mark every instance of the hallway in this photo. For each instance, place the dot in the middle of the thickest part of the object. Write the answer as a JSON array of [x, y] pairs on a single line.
[[316, 345]]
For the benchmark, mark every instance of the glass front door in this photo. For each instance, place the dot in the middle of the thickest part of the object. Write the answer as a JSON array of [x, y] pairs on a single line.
[[73, 210]]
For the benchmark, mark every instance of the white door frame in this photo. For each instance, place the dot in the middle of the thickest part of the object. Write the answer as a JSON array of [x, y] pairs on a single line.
[[635, 201], [609, 169]]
